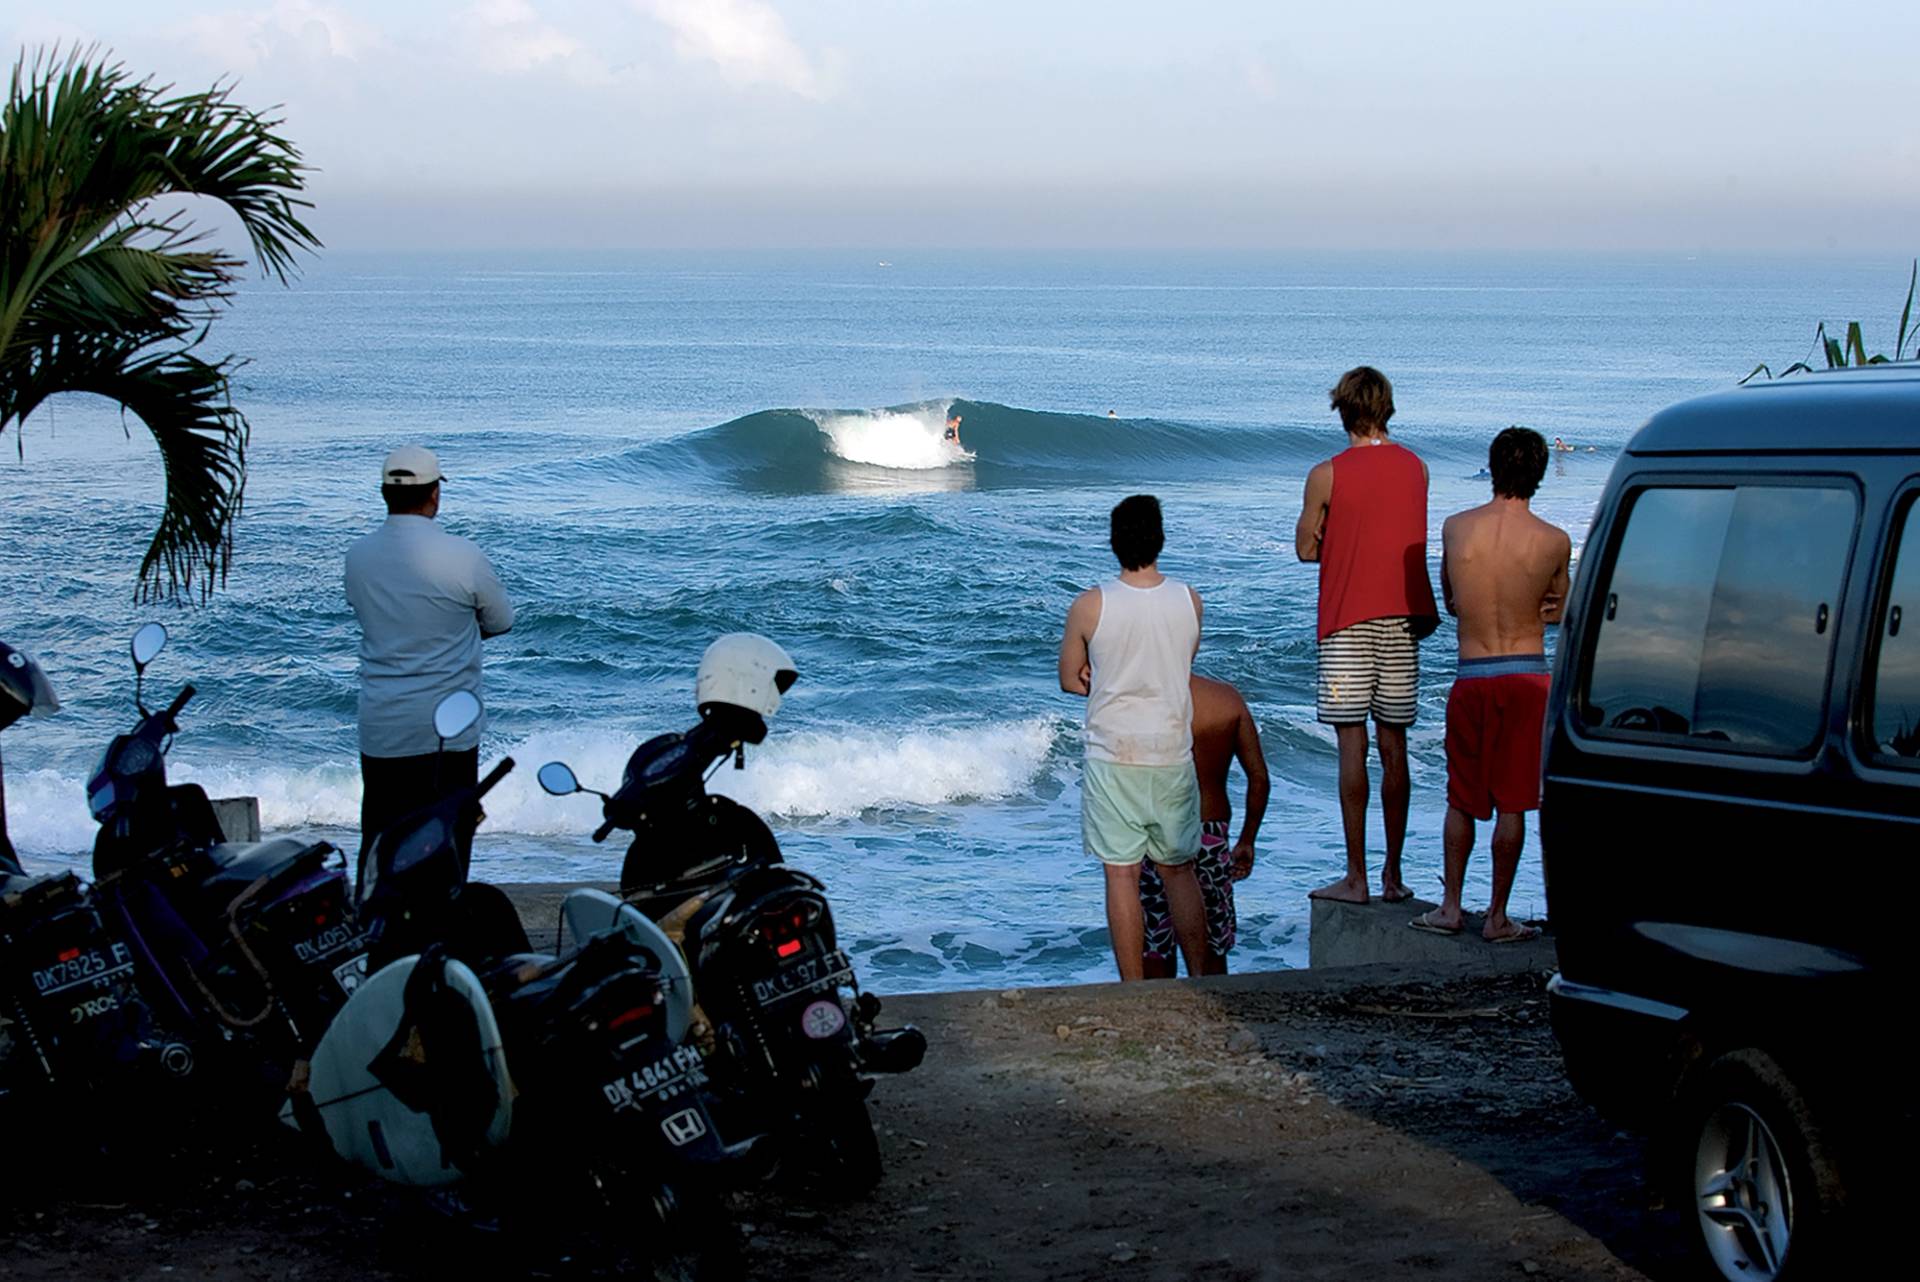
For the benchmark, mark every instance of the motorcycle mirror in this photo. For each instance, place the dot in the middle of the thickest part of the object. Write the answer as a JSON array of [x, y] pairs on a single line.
[[148, 642], [456, 714], [557, 778]]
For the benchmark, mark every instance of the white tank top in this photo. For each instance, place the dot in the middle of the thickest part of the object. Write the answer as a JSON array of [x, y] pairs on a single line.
[[1139, 707]]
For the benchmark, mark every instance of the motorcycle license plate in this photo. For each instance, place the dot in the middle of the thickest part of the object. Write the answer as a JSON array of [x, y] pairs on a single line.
[[77, 966], [665, 1077], [809, 976]]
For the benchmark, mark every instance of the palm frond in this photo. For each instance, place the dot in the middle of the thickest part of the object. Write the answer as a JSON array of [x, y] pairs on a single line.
[[102, 294]]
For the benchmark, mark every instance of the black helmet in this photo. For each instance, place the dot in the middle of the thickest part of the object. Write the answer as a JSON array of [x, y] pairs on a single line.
[[23, 687]]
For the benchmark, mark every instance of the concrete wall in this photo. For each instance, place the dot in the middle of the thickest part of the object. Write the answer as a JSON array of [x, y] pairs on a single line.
[[239, 817], [1363, 934]]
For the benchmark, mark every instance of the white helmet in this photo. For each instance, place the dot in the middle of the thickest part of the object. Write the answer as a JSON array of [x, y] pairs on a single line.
[[744, 670]]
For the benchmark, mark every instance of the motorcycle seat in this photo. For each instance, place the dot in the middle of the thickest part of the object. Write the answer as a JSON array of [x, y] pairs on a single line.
[[238, 864], [12, 883]]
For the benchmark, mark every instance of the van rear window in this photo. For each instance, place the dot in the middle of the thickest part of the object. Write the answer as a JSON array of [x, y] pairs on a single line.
[[1717, 618], [1896, 679]]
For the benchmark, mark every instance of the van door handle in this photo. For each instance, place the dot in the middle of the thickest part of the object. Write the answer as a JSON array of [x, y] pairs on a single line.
[[1820, 619], [1613, 603], [1893, 622]]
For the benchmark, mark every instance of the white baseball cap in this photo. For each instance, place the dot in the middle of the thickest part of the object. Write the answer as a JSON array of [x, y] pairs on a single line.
[[411, 465]]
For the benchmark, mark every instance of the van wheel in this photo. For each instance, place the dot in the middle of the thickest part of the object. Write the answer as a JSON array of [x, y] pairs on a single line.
[[1765, 1190]]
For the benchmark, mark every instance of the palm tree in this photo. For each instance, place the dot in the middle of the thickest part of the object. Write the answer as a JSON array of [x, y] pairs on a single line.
[[107, 288]]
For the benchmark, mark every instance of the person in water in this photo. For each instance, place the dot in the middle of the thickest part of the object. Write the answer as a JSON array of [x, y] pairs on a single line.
[[1503, 574], [953, 430], [1561, 447], [1223, 729]]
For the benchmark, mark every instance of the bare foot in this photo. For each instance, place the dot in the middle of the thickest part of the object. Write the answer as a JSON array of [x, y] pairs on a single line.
[[1348, 890], [1393, 890]]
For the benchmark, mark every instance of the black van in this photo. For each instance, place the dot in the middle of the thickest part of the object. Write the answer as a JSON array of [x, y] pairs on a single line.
[[1732, 778]]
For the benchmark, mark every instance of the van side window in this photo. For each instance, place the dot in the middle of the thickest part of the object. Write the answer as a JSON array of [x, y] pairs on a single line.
[[1717, 619], [1896, 677]]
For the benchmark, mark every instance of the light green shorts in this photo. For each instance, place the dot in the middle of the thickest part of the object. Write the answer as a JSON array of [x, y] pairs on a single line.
[[1130, 813]]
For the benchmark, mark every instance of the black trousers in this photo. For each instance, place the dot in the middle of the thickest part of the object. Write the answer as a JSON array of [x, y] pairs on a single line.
[[391, 787]]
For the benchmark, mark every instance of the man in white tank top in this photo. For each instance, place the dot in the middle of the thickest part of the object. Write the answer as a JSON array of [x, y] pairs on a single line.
[[1129, 648]]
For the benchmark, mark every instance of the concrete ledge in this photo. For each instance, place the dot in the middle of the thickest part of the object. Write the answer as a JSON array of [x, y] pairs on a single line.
[[239, 817], [1363, 934]]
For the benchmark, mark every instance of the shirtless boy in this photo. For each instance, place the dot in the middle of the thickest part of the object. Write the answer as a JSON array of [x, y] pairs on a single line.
[[1223, 729], [1503, 573]]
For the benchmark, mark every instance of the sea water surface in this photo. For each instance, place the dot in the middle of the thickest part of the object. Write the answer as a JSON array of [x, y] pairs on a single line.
[[658, 448]]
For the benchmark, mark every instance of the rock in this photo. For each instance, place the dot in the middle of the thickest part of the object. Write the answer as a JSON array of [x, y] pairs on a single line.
[[1063, 1031], [1241, 1041], [1529, 1267], [1124, 1255], [1012, 995]]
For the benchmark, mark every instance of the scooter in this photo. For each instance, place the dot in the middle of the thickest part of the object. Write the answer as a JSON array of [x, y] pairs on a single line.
[[796, 1045], [248, 948], [72, 1018], [530, 1081]]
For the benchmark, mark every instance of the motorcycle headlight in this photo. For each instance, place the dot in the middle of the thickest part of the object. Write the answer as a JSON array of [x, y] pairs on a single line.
[[136, 757]]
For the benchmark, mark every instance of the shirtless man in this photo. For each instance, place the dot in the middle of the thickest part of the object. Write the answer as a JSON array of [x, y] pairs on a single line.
[[1223, 729], [1503, 573]]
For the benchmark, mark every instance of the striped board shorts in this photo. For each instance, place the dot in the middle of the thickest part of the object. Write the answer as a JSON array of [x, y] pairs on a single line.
[[1370, 669]]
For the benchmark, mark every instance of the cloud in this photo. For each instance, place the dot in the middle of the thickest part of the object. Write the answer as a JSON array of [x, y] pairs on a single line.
[[242, 40], [747, 40], [510, 36]]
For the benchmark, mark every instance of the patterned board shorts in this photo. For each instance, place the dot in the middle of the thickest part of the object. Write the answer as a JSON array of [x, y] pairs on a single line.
[[1371, 669], [1215, 869]]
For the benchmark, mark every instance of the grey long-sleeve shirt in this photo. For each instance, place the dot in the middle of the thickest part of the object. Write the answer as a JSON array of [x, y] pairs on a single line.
[[425, 599]]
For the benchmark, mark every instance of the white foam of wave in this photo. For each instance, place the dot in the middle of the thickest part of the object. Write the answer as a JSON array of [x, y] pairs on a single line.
[[820, 774], [910, 440], [837, 774]]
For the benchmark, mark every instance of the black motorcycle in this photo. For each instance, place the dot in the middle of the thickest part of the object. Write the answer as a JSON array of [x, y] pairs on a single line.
[[537, 1082], [247, 948], [795, 1041], [72, 1016]]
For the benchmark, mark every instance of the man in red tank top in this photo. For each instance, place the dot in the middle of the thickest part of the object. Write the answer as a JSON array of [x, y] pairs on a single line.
[[1365, 522]]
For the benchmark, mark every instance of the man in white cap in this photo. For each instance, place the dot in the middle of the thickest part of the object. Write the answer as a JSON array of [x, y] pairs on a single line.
[[425, 599]]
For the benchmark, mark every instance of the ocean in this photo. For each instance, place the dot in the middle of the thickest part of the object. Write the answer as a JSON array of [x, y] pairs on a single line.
[[658, 448]]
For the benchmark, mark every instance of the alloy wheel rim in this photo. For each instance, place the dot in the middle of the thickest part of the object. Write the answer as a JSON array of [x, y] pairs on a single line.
[[1743, 1194]]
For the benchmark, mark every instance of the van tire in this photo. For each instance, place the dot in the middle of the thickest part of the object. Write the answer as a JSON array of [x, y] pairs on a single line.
[[1755, 1177]]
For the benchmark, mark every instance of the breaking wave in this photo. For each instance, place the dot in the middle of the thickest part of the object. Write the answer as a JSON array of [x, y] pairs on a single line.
[[809, 450], [806, 775]]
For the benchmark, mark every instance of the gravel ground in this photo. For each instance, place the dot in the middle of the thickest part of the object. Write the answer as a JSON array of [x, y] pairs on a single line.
[[1357, 1123]]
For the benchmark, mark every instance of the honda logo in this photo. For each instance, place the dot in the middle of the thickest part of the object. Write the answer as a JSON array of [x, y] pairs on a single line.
[[684, 1127]]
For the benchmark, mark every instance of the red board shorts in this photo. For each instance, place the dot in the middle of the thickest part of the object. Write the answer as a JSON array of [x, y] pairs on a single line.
[[1494, 716]]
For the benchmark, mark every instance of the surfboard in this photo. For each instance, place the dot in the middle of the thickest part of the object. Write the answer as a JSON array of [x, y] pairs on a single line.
[[366, 1122], [588, 912]]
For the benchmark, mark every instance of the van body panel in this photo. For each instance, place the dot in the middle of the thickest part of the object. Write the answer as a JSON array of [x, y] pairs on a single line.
[[1707, 893]]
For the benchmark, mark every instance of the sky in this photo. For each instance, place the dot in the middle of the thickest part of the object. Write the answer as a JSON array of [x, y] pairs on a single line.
[[1210, 124]]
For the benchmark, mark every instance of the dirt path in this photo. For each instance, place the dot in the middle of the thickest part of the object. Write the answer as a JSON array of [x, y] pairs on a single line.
[[1303, 1126], [1342, 1124]]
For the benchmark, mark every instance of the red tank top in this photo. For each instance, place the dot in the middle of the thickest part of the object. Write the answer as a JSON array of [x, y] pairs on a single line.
[[1373, 553]]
